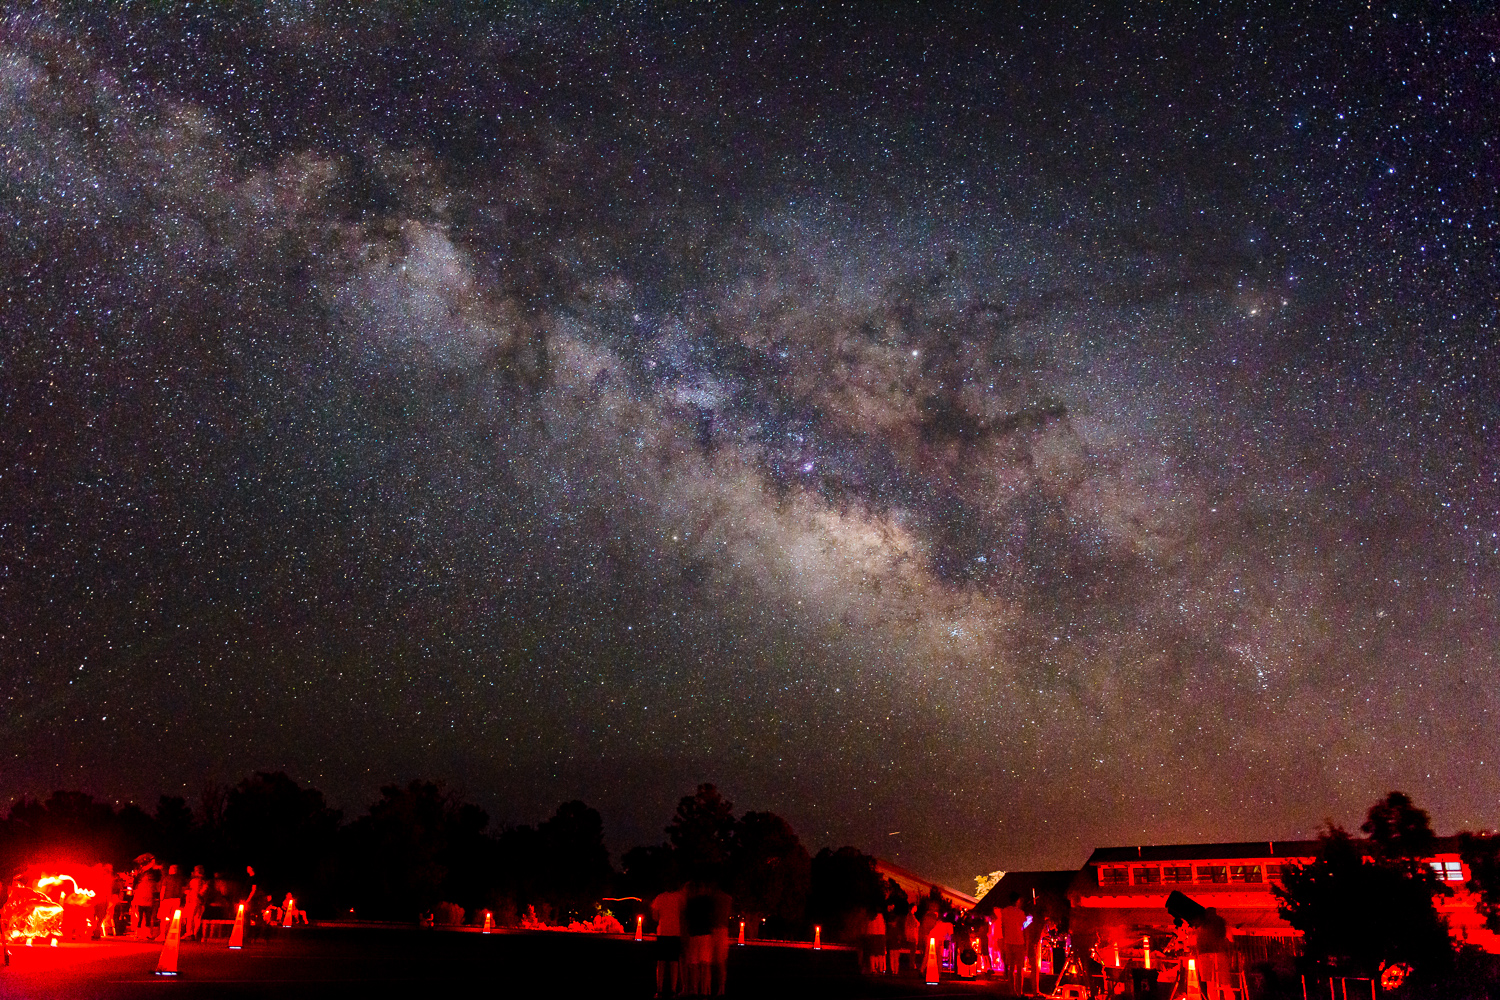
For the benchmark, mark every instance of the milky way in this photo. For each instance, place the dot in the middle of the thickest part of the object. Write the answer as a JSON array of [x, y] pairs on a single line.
[[1022, 434]]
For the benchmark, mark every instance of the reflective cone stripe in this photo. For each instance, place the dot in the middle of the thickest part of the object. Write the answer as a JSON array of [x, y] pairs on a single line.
[[932, 961], [237, 936], [167, 964]]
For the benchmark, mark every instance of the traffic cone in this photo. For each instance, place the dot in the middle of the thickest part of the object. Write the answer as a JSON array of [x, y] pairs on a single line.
[[932, 961], [237, 936], [1194, 992], [742, 932], [817, 937], [489, 923], [167, 964], [640, 927], [291, 912]]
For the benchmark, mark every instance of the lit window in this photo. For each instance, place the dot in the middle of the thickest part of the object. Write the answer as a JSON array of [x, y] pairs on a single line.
[[1244, 873], [1448, 871], [1213, 873], [1114, 875], [1177, 873], [1147, 876]]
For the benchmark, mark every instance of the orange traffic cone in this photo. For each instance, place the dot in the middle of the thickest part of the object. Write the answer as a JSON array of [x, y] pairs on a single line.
[[237, 936], [742, 932], [817, 936], [932, 961], [640, 927], [291, 911], [1193, 990], [489, 922], [167, 964]]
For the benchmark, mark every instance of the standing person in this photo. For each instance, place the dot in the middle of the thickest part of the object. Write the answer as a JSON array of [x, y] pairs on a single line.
[[143, 897], [193, 902], [666, 910], [911, 934], [943, 931], [107, 921], [698, 926], [723, 909], [925, 934], [895, 938], [875, 950], [1013, 942], [172, 887], [1212, 941]]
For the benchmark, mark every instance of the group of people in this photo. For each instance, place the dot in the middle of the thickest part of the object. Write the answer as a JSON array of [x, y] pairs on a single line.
[[899, 935], [155, 895], [143, 900], [692, 939], [899, 939]]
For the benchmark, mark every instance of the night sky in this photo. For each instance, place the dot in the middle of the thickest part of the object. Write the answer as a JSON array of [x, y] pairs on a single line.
[[1021, 431]]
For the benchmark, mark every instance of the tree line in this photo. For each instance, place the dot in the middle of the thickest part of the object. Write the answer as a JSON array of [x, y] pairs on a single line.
[[422, 845]]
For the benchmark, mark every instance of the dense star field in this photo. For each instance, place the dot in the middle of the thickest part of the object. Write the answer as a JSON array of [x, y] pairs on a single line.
[[1023, 432]]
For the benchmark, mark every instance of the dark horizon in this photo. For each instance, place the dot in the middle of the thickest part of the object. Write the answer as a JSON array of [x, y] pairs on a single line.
[[1027, 431]]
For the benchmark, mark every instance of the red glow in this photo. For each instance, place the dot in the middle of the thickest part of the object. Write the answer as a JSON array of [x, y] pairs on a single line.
[[53, 901]]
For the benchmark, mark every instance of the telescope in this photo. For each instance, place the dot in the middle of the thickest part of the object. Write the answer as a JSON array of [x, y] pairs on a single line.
[[1185, 909]]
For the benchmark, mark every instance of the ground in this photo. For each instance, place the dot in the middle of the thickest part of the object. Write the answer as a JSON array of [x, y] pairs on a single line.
[[377, 962]]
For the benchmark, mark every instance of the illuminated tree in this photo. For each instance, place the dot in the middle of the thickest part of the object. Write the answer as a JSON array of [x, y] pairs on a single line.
[[1481, 852], [1363, 905]]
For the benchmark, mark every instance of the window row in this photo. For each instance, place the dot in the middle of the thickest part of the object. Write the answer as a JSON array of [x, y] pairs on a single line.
[[1115, 875]]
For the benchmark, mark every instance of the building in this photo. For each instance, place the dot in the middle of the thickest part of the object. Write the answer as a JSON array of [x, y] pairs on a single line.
[[1121, 892]]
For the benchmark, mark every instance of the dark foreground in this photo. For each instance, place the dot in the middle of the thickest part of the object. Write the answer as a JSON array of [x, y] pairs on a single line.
[[379, 962]]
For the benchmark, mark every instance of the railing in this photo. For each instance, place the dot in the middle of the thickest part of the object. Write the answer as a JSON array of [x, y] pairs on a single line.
[[1312, 991]]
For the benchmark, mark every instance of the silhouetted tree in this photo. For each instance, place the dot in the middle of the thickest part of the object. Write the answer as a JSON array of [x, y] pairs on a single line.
[[1400, 832], [1362, 905], [649, 869], [176, 838], [845, 886], [68, 824], [418, 846], [702, 832], [574, 860], [286, 832], [771, 871], [521, 881], [73, 825]]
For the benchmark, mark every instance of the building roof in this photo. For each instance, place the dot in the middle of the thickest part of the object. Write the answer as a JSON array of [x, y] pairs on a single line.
[[907, 878], [1203, 852], [1233, 850], [1041, 883]]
